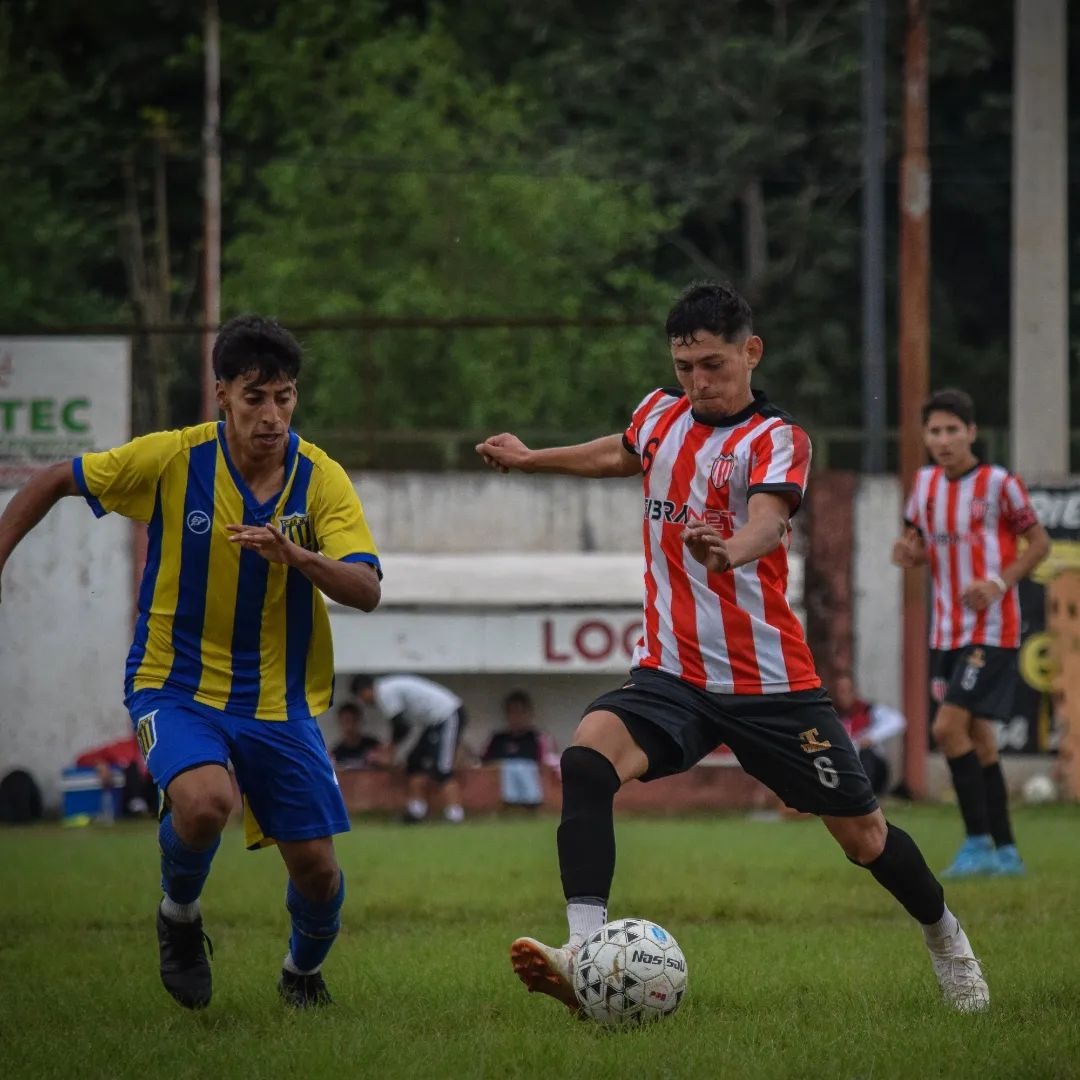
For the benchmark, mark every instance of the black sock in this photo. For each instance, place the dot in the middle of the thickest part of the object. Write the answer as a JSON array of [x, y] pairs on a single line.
[[967, 778], [586, 836], [902, 869], [997, 804]]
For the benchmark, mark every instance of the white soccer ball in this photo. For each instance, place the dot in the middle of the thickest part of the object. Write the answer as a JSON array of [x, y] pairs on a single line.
[[629, 971], [1039, 788]]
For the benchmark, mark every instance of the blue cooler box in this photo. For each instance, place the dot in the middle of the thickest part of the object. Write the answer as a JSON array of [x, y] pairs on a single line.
[[80, 792]]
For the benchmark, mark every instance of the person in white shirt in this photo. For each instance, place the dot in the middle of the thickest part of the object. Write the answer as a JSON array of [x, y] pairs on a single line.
[[410, 704], [870, 725]]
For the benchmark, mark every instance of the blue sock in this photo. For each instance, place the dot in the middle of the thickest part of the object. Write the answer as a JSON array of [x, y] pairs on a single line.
[[314, 927], [183, 870]]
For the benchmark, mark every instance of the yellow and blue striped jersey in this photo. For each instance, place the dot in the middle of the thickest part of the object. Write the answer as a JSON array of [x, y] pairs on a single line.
[[218, 622]]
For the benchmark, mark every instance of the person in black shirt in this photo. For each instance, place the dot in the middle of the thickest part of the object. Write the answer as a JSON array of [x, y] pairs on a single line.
[[520, 749], [355, 750]]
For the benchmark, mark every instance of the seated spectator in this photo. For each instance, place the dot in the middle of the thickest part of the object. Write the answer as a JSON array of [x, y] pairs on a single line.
[[521, 749], [355, 750], [870, 727], [140, 794]]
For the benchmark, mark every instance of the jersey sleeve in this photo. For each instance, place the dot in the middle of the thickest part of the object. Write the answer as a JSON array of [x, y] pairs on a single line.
[[124, 480], [632, 435], [340, 526], [1016, 506], [780, 463], [912, 515], [390, 700]]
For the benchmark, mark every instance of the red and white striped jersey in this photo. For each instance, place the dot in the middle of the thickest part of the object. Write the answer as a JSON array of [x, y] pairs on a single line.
[[731, 633], [970, 526]]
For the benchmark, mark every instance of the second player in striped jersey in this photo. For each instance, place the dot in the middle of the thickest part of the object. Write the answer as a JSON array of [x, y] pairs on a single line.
[[722, 658], [973, 523]]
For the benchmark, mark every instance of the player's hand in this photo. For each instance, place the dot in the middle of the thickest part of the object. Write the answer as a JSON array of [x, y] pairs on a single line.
[[707, 546], [272, 544], [908, 551], [505, 452], [979, 595]]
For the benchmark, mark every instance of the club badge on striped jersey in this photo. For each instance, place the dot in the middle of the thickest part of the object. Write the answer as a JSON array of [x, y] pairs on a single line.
[[721, 470], [297, 528]]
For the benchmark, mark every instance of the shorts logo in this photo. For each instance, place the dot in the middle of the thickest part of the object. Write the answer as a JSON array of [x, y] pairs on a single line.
[[297, 528], [938, 686], [721, 470], [146, 733], [198, 522], [813, 742], [976, 661]]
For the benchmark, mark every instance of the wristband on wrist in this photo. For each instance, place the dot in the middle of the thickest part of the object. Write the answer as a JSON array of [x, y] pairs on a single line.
[[999, 581]]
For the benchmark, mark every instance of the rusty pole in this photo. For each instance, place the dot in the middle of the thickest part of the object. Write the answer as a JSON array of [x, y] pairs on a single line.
[[914, 350], [211, 139]]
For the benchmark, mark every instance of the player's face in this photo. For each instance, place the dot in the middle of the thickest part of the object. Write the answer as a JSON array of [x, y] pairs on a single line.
[[843, 692], [258, 414], [949, 439], [715, 373], [518, 716]]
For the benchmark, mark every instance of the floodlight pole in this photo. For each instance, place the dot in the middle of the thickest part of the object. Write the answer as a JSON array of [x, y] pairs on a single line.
[[211, 261], [914, 352]]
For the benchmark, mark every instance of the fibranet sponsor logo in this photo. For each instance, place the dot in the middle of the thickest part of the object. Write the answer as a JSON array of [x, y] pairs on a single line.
[[666, 510]]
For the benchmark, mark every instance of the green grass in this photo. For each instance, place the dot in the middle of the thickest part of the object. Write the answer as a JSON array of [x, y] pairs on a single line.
[[800, 966]]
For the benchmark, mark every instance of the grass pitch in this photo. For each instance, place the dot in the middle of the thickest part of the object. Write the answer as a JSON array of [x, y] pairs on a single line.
[[800, 966]]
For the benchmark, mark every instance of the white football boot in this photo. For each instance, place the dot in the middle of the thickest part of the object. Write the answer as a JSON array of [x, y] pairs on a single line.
[[959, 973], [546, 970]]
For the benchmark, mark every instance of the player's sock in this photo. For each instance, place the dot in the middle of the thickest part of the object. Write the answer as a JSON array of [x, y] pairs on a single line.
[[586, 837], [584, 916], [967, 778], [902, 870], [315, 925], [939, 933], [416, 808], [997, 805], [183, 872]]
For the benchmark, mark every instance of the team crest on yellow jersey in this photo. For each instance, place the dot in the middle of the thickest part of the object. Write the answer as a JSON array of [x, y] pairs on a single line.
[[297, 528]]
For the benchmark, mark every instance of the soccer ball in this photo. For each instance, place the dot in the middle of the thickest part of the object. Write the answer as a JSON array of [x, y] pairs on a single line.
[[629, 971], [1039, 789]]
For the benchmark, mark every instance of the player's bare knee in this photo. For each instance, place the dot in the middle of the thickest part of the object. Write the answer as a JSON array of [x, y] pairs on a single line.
[[862, 839], [318, 879]]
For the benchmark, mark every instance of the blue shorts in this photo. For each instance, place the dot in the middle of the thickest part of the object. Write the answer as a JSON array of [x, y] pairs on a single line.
[[285, 774]]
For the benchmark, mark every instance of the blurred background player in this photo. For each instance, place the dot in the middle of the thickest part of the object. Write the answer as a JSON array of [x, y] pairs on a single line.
[[232, 659], [870, 726], [355, 749], [522, 751], [966, 518], [722, 657], [121, 755], [411, 703]]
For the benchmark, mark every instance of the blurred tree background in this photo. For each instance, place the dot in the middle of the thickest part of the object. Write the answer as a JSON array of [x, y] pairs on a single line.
[[568, 160]]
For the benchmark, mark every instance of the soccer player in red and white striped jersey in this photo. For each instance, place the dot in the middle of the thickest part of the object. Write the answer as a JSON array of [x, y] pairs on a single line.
[[966, 519], [722, 658]]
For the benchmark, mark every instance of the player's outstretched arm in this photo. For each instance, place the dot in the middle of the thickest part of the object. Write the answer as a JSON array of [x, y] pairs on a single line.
[[32, 502], [763, 532], [606, 456]]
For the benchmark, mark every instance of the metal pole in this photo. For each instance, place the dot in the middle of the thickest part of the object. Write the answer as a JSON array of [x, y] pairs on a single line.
[[211, 276], [1039, 382], [873, 238], [914, 349]]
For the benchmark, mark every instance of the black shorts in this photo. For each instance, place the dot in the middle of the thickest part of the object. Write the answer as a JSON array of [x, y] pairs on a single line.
[[435, 750], [793, 743], [979, 678]]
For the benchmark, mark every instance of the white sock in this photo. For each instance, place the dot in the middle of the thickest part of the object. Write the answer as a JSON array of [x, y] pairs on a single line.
[[584, 920], [945, 928], [180, 912], [417, 808], [455, 813], [290, 965]]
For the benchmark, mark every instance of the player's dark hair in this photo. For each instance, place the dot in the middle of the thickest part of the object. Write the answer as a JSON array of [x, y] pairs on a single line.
[[713, 307], [518, 697], [950, 400], [254, 343], [361, 683]]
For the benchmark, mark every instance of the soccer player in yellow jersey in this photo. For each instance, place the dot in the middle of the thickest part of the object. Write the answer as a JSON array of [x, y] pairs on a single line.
[[248, 525]]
